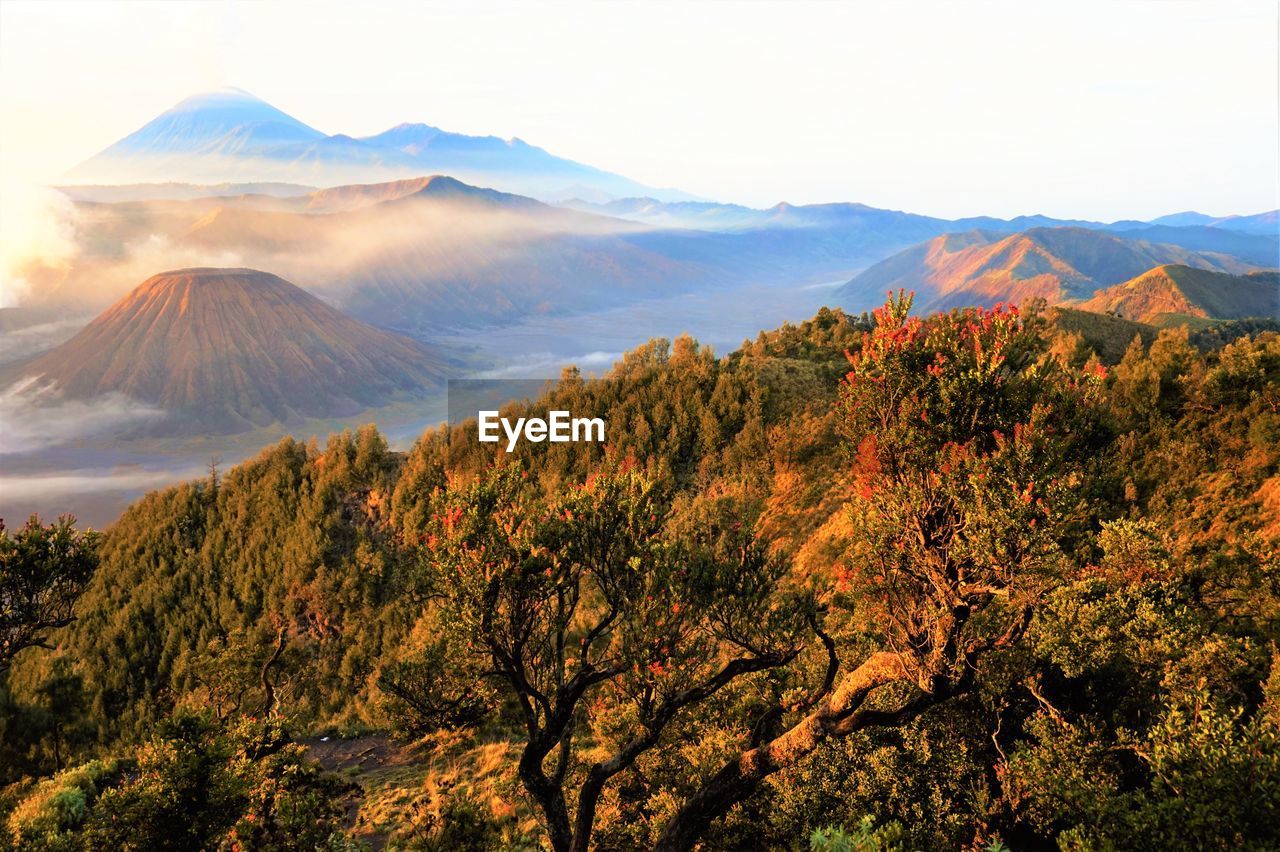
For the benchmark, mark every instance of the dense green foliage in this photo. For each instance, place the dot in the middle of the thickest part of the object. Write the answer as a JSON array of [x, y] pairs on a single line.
[[1059, 581], [42, 572], [193, 785]]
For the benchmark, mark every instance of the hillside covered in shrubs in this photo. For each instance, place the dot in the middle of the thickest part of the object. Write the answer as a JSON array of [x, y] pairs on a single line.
[[991, 578]]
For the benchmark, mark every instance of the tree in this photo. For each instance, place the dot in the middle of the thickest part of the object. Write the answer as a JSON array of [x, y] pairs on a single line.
[[1154, 716], [62, 700], [967, 452], [43, 571], [580, 602], [236, 674]]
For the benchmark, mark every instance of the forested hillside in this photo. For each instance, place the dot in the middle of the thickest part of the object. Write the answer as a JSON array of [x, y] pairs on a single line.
[[993, 578]]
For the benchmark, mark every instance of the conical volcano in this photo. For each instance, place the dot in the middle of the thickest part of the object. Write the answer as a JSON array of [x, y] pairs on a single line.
[[229, 349]]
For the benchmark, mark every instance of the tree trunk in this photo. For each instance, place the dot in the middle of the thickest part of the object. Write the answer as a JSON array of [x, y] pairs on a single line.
[[739, 779], [586, 816], [548, 795], [268, 688]]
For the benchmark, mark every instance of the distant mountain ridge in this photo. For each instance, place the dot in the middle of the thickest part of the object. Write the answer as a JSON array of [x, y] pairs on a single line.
[[356, 196], [230, 136], [1058, 264], [224, 350], [708, 215], [1259, 223]]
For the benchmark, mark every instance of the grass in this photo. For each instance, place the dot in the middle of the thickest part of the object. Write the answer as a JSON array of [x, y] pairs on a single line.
[[408, 788]]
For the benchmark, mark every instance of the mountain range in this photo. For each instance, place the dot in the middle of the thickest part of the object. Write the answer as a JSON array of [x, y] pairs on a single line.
[[432, 252], [231, 136], [1062, 264], [714, 216], [225, 350], [229, 142], [456, 232], [422, 254], [1259, 223]]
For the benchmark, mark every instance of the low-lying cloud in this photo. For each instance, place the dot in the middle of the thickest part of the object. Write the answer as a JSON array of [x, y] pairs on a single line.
[[78, 483], [542, 364], [39, 236], [23, 343], [35, 416]]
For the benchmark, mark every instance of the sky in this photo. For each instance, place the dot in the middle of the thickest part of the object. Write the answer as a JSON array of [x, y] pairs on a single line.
[[1100, 110]]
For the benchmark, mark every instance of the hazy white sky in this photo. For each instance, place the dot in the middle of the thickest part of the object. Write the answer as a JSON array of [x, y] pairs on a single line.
[[1092, 109]]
